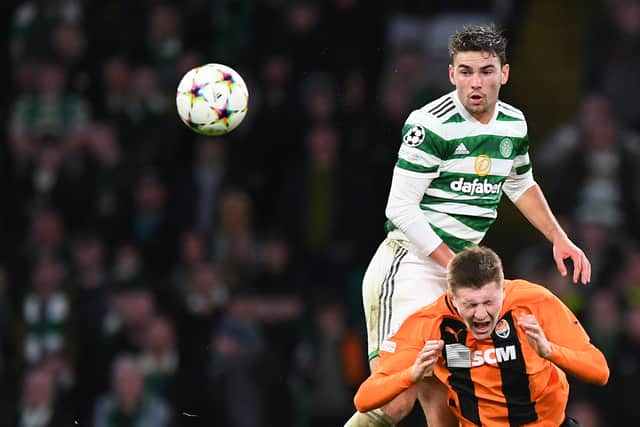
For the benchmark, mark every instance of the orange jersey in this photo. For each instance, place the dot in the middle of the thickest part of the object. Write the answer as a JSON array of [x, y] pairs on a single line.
[[498, 381]]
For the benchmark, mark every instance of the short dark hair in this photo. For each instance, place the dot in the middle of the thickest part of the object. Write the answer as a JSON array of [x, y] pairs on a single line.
[[474, 267], [479, 38]]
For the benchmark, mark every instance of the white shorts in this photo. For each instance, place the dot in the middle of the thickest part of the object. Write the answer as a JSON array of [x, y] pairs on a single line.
[[398, 282]]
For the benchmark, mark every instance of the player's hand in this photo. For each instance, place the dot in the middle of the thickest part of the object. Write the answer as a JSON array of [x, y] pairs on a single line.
[[426, 360], [564, 248], [535, 335]]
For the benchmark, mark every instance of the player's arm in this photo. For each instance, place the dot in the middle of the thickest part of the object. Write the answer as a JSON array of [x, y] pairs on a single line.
[[528, 197], [535, 208], [395, 373], [556, 334], [403, 209], [419, 159]]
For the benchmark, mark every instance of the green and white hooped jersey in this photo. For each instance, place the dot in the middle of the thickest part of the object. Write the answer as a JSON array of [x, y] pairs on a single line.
[[471, 164]]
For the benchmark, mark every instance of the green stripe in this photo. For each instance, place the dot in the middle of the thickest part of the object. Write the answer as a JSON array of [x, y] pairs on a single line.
[[488, 203], [403, 164], [449, 177], [428, 201], [456, 118], [389, 226], [523, 148], [505, 118], [523, 169], [456, 244], [476, 223]]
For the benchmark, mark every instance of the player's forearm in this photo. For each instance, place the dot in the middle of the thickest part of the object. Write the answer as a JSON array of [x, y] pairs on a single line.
[[379, 389], [403, 209], [533, 205], [588, 365]]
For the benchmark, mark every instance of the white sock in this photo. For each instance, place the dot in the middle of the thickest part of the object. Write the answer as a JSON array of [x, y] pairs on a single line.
[[375, 418]]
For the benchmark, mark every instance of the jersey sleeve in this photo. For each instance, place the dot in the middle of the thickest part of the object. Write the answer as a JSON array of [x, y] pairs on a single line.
[[422, 150], [521, 175], [392, 376], [572, 349]]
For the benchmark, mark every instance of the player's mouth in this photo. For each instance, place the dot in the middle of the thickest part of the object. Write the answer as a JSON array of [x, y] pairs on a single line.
[[476, 99], [481, 328]]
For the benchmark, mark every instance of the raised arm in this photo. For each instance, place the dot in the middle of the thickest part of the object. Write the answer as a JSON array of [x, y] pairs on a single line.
[[535, 208], [556, 334]]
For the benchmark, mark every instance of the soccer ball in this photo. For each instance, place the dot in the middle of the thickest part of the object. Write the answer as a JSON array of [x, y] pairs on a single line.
[[212, 99]]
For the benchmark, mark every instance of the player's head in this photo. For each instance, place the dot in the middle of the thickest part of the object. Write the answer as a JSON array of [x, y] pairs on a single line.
[[478, 67], [476, 284]]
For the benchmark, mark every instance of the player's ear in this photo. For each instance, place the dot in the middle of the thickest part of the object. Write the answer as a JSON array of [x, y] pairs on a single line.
[[452, 298], [451, 75], [504, 74]]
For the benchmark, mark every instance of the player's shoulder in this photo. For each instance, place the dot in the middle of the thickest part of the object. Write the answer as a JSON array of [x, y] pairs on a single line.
[[522, 291], [510, 120], [435, 113], [509, 111]]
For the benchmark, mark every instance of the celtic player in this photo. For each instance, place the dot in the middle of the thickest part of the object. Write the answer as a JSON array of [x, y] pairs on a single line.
[[458, 155]]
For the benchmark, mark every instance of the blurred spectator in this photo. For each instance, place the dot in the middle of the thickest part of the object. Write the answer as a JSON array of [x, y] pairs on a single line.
[[206, 292], [159, 360], [129, 402], [235, 244], [597, 156], [332, 361], [134, 309], [58, 166], [407, 63], [232, 24], [604, 320], [318, 191], [68, 46], [50, 109], [45, 237], [127, 265], [236, 350], [91, 281], [202, 304], [109, 179], [199, 187], [612, 60], [628, 278], [319, 99], [625, 368], [46, 312], [40, 406], [150, 226], [164, 43], [275, 130], [32, 23], [116, 93], [193, 254]]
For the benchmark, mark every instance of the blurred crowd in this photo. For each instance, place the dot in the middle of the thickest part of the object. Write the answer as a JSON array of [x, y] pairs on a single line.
[[153, 277]]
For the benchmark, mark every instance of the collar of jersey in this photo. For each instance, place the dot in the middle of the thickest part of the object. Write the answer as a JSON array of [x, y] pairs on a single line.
[[465, 113]]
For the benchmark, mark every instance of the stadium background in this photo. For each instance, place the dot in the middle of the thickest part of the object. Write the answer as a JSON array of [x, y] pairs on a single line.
[[224, 273]]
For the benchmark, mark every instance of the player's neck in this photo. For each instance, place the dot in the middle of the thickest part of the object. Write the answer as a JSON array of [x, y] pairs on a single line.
[[485, 116]]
